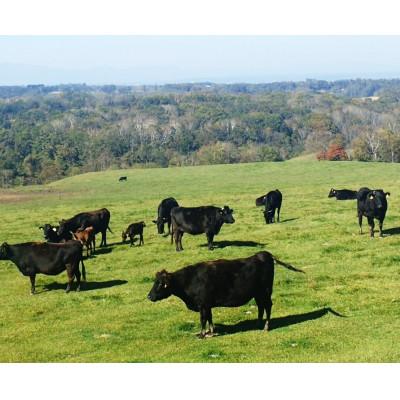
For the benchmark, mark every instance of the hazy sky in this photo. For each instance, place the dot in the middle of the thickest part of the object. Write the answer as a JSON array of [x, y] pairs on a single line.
[[167, 59]]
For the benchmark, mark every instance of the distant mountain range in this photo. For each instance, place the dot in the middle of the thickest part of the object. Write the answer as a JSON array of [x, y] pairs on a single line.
[[20, 74]]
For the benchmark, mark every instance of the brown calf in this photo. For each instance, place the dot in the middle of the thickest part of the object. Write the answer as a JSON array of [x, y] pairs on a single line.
[[87, 238]]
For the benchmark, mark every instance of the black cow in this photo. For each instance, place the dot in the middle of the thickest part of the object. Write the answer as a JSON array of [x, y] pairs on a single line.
[[221, 283], [46, 258], [134, 229], [51, 235], [197, 220], [164, 214], [343, 194], [99, 219], [272, 201], [372, 204], [123, 178]]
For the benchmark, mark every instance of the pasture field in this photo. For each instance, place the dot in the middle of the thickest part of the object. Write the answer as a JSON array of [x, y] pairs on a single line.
[[111, 320]]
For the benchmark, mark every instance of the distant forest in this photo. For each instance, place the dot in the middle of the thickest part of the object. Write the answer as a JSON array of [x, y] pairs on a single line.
[[49, 132]]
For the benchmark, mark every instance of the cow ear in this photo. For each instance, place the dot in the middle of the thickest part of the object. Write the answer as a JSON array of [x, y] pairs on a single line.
[[4, 247], [41, 227], [387, 194], [154, 222]]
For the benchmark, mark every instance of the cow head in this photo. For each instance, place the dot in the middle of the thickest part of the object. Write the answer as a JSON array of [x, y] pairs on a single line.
[[332, 193], [162, 286], [49, 232], [377, 197], [160, 224], [226, 214], [124, 235], [260, 201], [269, 216], [4, 248]]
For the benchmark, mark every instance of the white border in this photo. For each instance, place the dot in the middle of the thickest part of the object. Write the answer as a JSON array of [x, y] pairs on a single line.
[[199, 17]]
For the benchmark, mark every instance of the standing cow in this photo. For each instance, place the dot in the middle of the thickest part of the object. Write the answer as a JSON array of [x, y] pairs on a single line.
[[99, 219], [197, 220], [372, 204], [134, 229], [46, 258], [221, 283], [272, 201], [164, 214]]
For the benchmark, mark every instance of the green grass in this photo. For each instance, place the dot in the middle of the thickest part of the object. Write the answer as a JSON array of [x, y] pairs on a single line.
[[112, 321]]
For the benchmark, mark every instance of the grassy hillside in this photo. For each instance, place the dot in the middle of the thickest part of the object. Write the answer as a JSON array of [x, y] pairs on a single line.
[[111, 319]]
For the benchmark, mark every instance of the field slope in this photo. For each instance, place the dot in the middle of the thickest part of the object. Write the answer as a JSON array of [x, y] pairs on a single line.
[[111, 320]]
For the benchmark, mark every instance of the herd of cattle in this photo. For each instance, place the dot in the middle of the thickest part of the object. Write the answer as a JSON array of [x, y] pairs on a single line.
[[201, 286]]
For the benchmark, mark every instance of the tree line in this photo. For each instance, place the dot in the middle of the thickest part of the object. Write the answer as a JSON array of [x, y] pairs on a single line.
[[48, 132]]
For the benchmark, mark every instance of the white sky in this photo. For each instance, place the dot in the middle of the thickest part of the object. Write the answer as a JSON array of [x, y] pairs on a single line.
[[165, 59]]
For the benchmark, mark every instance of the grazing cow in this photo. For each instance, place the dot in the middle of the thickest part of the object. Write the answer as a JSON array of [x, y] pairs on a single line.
[[272, 201], [123, 178], [221, 283], [134, 229], [87, 238], [197, 220], [372, 204], [46, 258], [99, 219], [164, 214], [343, 194]]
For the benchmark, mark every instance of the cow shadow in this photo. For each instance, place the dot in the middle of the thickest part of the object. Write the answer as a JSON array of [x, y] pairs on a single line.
[[85, 286], [392, 231], [102, 250], [287, 220], [275, 323], [237, 243]]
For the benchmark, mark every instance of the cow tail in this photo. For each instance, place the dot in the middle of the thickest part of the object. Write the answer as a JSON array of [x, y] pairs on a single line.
[[288, 266], [83, 269], [110, 229]]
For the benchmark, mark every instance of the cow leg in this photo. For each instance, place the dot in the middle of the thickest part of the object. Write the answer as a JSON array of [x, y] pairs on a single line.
[[131, 239], [210, 331], [279, 210], [210, 238], [261, 307], [78, 278], [360, 222], [169, 228], [180, 240], [94, 244], [381, 228], [175, 236], [204, 312], [371, 224], [103, 239], [141, 239], [268, 308], [71, 275], [33, 288]]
